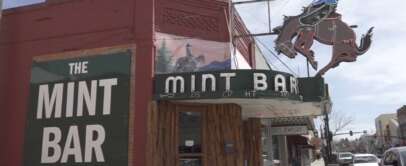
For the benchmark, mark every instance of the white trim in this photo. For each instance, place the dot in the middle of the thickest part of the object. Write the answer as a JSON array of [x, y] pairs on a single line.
[[238, 61], [269, 108]]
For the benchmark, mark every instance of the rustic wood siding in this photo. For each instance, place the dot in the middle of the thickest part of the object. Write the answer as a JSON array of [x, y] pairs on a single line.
[[252, 142], [224, 125], [162, 135], [221, 124]]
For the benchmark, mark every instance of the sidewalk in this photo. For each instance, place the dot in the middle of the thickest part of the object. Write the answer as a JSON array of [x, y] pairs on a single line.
[[319, 162]]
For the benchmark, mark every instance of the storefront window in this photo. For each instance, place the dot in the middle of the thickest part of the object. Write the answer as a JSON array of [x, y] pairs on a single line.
[[275, 147], [190, 132], [190, 138], [191, 161], [267, 146]]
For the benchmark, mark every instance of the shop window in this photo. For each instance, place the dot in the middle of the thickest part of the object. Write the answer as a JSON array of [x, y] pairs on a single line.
[[190, 161], [275, 148], [267, 146], [190, 138]]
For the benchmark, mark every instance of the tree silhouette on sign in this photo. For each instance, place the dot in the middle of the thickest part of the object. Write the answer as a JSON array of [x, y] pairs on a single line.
[[163, 59]]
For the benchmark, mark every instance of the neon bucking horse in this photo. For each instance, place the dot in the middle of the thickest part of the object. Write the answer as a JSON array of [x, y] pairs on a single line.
[[326, 27]]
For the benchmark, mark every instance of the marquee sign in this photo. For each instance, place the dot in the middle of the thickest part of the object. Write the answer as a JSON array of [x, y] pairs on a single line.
[[227, 84], [79, 111]]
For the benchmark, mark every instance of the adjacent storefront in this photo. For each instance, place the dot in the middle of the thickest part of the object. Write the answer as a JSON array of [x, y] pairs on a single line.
[[232, 117]]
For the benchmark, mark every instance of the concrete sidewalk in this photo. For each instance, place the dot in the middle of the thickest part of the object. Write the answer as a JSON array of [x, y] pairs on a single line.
[[319, 162]]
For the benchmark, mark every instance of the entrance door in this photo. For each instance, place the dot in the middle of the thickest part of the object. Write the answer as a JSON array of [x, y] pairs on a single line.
[[184, 134], [190, 136]]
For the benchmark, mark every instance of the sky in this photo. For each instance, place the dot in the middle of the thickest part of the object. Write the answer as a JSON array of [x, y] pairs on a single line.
[[373, 85], [16, 3]]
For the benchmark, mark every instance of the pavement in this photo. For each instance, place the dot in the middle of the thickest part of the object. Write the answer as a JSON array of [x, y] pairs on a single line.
[[319, 162]]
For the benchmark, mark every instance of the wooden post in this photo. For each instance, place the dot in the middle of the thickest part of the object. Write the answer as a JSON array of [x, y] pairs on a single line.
[[144, 72], [253, 142]]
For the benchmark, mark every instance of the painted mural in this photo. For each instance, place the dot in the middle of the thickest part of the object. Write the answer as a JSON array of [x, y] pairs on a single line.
[[177, 54]]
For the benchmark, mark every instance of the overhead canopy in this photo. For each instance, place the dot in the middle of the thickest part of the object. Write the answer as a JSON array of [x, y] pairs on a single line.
[[293, 121], [271, 108]]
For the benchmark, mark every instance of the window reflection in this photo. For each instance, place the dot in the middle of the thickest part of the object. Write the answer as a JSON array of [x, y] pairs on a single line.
[[190, 162], [190, 132]]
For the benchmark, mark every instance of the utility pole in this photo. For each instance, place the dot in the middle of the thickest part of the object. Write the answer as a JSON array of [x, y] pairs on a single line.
[[328, 137], [268, 15]]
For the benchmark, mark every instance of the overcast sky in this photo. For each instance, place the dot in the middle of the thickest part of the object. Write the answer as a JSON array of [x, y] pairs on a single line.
[[373, 85]]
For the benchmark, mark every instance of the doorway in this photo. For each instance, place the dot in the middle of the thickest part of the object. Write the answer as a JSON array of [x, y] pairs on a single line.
[[185, 134]]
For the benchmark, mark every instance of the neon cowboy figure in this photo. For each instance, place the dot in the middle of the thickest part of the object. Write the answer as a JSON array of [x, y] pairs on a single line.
[[317, 11]]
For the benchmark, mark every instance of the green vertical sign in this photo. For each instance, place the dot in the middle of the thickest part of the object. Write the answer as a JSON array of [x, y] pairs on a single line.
[[79, 111]]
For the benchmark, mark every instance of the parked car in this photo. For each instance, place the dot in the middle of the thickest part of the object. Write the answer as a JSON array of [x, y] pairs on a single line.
[[365, 160], [394, 157], [345, 158]]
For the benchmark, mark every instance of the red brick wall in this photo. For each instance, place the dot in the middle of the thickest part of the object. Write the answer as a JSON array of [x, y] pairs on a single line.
[[44, 29], [66, 25], [205, 19]]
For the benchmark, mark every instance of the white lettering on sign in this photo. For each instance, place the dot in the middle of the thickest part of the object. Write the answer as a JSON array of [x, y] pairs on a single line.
[[90, 99], [294, 87], [192, 83], [280, 83], [48, 144], [107, 84], [206, 77], [69, 99], [260, 82], [75, 151], [228, 76], [52, 104], [76, 118], [78, 68], [95, 136], [94, 143], [174, 81], [209, 83]]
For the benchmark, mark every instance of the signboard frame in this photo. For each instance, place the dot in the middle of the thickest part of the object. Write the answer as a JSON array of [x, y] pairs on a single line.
[[238, 84], [123, 50]]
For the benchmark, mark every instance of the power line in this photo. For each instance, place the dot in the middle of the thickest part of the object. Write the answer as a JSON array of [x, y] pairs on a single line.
[[276, 56], [282, 7], [269, 63], [269, 26]]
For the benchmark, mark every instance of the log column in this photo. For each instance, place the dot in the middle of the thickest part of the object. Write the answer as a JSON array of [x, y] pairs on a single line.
[[252, 142]]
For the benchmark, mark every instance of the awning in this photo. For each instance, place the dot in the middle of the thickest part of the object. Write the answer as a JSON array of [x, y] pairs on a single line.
[[293, 121], [287, 126]]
